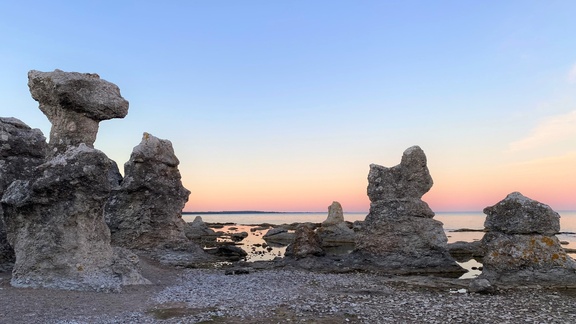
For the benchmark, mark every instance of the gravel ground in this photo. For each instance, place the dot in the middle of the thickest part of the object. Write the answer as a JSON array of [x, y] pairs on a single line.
[[283, 296]]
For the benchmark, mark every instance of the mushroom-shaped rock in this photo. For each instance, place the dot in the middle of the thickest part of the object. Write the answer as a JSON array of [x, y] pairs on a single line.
[[75, 103]]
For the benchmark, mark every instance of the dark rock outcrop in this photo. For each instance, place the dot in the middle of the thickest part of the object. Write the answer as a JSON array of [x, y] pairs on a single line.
[[199, 232], [55, 223], [22, 149], [144, 212], [279, 235], [75, 103], [520, 245], [306, 243], [399, 234], [334, 229]]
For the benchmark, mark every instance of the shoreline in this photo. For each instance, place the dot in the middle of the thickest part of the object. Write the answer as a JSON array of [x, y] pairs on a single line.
[[285, 296]]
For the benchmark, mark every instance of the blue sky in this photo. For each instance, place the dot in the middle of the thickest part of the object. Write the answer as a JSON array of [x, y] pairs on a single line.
[[284, 104]]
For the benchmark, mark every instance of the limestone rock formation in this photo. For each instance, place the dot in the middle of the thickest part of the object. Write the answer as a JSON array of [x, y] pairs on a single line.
[[306, 243], [75, 103], [55, 223], [279, 235], [520, 245], [22, 149], [334, 229], [399, 234], [145, 211], [199, 232]]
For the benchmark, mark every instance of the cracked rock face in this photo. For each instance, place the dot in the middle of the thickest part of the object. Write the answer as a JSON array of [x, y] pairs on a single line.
[[521, 247], [55, 223], [75, 103], [22, 149], [145, 211], [399, 233]]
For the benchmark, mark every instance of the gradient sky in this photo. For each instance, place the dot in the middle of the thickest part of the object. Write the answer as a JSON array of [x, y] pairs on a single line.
[[283, 105]]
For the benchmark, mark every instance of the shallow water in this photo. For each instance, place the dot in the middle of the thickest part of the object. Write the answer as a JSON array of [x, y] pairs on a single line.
[[452, 221]]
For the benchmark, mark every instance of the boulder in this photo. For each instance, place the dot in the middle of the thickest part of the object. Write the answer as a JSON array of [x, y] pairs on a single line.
[[481, 286], [75, 103], [198, 231], [399, 234], [334, 229], [462, 249], [22, 149], [306, 243], [520, 245], [517, 214], [144, 212], [55, 223], [279, 235]]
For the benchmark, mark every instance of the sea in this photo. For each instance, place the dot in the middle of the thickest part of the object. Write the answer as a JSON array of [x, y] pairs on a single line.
[[453, 223]]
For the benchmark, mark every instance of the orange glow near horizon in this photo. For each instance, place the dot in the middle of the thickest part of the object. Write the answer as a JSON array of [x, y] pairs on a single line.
[[550, 181]]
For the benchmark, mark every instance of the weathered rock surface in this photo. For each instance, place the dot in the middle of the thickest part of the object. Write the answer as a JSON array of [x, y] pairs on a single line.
[[145, 211], [335, 215], [279, 235], [75, 103], [517, 214], [55, 223], [399, 234], [198, 231], [334, 229], [306, 243], [462, 250], [22, 149], [520, 245]]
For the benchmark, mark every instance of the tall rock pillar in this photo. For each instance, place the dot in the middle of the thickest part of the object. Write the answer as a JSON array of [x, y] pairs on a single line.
[[399, 234]]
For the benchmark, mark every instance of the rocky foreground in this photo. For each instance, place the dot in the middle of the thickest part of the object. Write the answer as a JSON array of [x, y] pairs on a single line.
[[285, 295]]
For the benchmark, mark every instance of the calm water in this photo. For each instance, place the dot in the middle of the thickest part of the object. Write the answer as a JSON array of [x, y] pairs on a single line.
[[452, 221]]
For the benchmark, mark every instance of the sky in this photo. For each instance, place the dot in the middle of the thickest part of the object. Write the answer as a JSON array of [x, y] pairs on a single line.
[[283, 105]]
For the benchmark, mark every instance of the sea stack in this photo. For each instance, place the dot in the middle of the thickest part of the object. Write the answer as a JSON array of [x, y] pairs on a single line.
[[145, 211], [334, 230], [75, 103], [55, 217], [399, 234], [521, 246]]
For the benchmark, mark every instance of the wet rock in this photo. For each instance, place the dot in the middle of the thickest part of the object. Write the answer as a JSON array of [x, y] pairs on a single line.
[[306, 243], [237, 237], [198, 231], [22, 149], [470, 249], [279, 235], [520, 245], [55, 223], [399, 234], [481, 286], [75, 103], [145, 211], [231, 252], [334, 229]]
